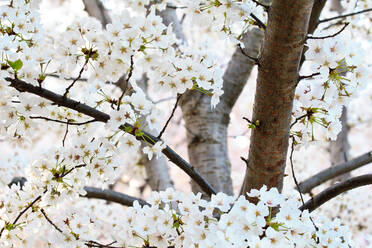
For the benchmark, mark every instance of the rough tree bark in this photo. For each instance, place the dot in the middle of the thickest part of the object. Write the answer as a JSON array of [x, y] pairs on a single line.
[[276, 83], [157, 170]]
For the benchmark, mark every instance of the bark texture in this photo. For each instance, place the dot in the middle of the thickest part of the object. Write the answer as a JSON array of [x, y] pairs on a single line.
[[276, 83], [207, 128]]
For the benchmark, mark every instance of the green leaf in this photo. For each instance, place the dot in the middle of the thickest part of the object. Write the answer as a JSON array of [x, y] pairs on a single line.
[[9, 227], [128, 129], [16, 65], [252, 126]]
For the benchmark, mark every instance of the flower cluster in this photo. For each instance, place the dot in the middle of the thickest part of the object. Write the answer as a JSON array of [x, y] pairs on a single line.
[[174, 219], [94, 60], [339, 73], [229, 18]]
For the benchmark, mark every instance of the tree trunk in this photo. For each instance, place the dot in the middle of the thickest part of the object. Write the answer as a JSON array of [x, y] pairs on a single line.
[[276, 83], [207, 128]]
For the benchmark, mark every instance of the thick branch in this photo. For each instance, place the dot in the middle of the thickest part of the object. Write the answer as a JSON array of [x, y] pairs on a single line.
[[179, 161], [58, 99], [92, 192], [283, 45], [334, 171], [336, 190], [112, 196], [103, 117]]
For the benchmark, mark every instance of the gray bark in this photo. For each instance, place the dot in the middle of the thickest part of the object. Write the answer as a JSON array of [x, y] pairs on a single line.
[[207, 128], [334, 171], [335, 190]]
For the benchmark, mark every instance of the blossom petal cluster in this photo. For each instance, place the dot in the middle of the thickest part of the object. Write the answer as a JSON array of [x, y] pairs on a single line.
[[338, 73], [175, 219]]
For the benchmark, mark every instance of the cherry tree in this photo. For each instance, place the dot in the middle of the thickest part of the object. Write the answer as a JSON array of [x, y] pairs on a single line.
[[76, 109]]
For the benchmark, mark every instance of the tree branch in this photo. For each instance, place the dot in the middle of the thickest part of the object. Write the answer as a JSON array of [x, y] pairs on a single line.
[[69, 122], [112, 196], [103, 117], [58, 99], [329, 36], [176, 159], [170, 117], [334, 171], [50, 221], [346, 15], [336, 190]]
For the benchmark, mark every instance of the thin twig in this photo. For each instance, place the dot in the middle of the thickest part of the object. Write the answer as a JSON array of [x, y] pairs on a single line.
[[63, 122], [73, 168], [298, 119], [22, 212], [64, 137], [329, 36], [92, 243], [336, 190], [128, 78], [346, 15], [295, 179], [76, 79], [50, 221], [266, 7], [258, 22], [170, 117], [292, 169], [308, 76], [68, 78], [255, 60]]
